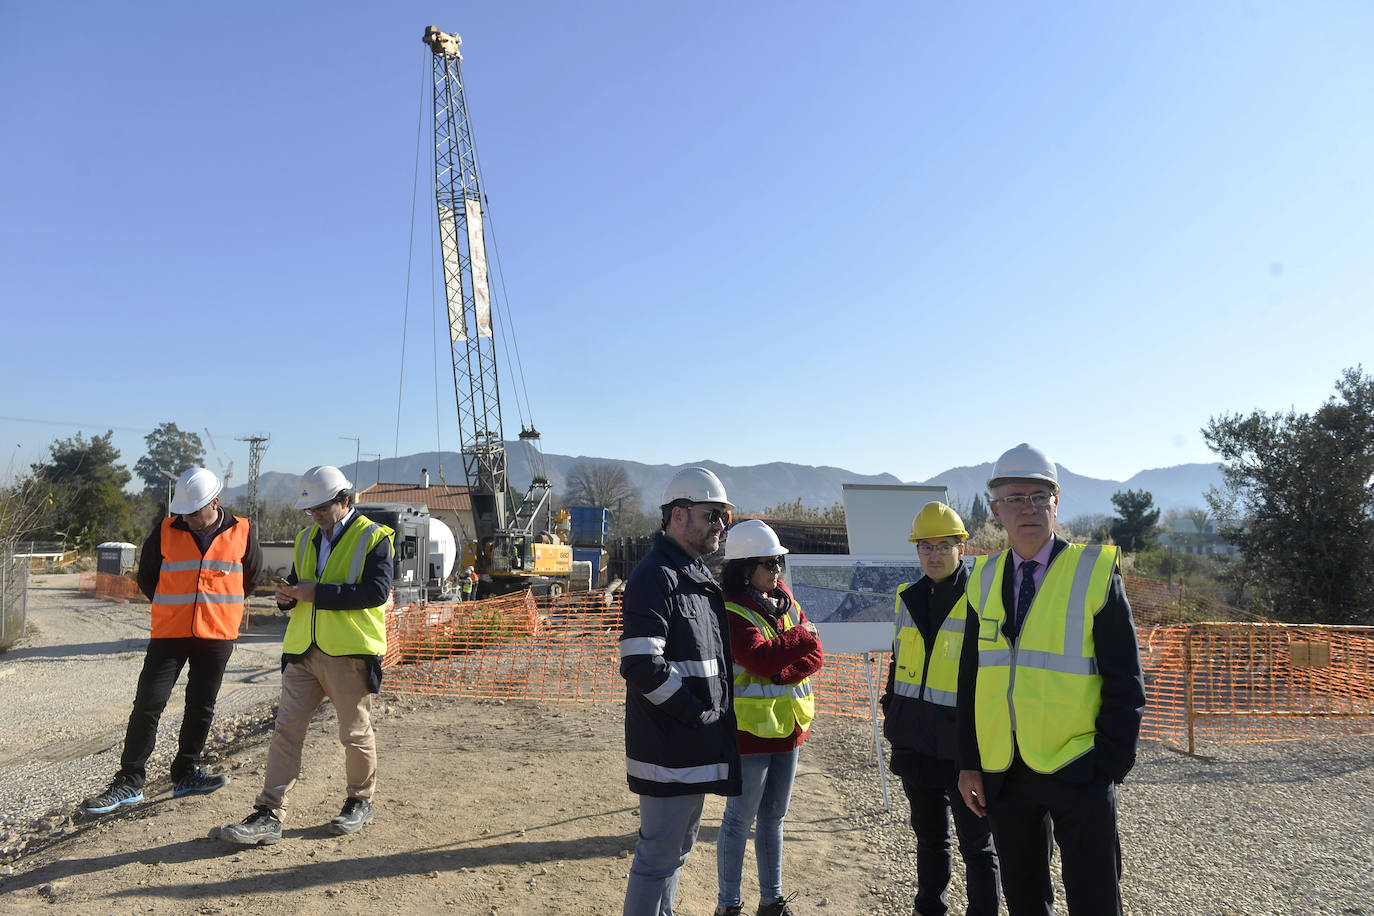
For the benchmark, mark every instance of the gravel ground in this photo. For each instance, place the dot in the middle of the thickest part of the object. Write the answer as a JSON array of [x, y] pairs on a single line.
[[1277, 828], [1237, 830]]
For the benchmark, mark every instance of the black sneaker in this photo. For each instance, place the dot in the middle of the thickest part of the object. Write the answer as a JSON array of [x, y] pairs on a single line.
[[261, 828], [355, 813], [777, 907], [199, 781], [122, 791]]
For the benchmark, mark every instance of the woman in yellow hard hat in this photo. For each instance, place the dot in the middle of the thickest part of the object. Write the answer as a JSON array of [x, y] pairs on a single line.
[[919, 717]]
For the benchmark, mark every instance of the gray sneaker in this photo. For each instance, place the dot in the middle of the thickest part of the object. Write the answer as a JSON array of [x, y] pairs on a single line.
[[199, 781], [355, 813], [261, 828], [122, 791]]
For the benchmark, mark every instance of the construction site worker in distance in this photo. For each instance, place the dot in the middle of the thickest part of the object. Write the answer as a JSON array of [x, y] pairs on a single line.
[[776, 650], [338, 591], [1050, 697], [919, 718], [196, 568], [679, 717]]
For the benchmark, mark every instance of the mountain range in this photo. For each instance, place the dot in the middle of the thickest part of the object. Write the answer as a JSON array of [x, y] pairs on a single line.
[[760, 486]]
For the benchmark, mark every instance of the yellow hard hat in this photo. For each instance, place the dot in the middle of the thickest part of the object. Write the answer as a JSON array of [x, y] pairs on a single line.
[[936, 520]]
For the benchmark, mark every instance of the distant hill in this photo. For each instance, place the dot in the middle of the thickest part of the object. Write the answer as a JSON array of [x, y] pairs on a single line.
[[759, 486], [1182, 486]]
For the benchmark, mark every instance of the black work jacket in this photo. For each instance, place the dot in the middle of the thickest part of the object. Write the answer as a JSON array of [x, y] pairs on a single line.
[[679, 681]]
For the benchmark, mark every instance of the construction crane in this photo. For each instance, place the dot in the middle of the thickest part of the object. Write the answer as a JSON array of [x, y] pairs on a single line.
[[508, 553], [226, 474]]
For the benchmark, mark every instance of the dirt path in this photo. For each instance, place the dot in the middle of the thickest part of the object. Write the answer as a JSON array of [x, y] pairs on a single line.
[[484, 807], [67, 688]]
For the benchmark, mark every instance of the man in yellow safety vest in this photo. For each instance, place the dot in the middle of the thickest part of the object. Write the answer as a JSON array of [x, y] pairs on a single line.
[[1050, 697], [338, 592]]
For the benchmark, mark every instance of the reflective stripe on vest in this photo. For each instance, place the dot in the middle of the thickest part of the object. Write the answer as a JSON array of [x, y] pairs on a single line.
[[763, 708], [200, 595], [1044, 692], [360, 632], [939, 684]]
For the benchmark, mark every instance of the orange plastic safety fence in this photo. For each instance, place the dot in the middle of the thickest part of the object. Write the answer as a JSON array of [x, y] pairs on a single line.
[[560, 649], [108, 585], [1257, 682], [1205, 681]]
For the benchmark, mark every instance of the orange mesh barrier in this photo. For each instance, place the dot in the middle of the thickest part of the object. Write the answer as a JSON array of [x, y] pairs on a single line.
[[1205, 681], [1257, 682], [560, 649], [109, 586]]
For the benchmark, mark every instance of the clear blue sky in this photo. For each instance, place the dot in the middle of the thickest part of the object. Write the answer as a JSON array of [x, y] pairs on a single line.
[[890, 237]]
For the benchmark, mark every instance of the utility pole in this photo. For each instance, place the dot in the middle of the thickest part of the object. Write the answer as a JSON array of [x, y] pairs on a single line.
[[357, 452], [378, 456], [256, 446]]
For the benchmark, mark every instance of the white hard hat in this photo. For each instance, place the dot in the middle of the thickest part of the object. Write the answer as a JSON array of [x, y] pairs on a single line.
[[696, 485], [321, 484], [194, 490], [1025, 462], [752, 539]]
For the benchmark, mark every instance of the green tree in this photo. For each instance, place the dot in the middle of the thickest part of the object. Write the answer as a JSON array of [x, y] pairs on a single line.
[[85, 491], [1298, 500], [977, 514], [171, 451], [1135, 526]]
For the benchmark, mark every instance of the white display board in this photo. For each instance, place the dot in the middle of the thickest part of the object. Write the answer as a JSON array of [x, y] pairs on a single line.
[[851, 599], [879, 516]]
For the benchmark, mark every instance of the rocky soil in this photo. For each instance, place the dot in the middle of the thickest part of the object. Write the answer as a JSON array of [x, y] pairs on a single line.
[[512, 807]]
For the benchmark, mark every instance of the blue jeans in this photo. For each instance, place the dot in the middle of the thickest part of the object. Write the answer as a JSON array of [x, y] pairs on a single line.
[[667, 830], [766, 789]]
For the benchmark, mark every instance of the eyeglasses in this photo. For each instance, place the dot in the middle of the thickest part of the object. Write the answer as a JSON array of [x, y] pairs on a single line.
[[1019, 502], [774, 563], [926, 548], [322, 507], [713, 516]]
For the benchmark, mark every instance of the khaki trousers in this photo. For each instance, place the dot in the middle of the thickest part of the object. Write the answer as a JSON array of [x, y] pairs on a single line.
[[304, 685]]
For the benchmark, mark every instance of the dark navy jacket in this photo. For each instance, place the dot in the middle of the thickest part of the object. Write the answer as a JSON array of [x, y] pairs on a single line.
[[675, 658]]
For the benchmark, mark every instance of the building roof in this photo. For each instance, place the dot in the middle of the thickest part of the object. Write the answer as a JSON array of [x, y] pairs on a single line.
[[437, 496]]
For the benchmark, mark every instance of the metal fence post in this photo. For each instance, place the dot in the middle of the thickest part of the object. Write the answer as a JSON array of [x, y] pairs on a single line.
[[1188, 683]]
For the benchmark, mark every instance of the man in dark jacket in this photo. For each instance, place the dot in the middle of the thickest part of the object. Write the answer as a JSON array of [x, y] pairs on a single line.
[[919, 718], [1050, 697], [679, 715]]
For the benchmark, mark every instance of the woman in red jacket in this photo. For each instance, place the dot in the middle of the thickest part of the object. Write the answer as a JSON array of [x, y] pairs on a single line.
[[775, 650]]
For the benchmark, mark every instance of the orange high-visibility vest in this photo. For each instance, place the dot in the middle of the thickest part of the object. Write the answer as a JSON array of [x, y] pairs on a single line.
[[200, 595]]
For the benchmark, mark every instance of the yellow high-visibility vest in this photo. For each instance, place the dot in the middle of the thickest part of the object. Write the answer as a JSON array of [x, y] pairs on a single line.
[[361, 632], [939, 685], [1043, 692], [761, 707]]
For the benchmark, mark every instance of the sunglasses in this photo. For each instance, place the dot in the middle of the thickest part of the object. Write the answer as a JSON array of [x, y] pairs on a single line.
[[713, 516], [774, 563]]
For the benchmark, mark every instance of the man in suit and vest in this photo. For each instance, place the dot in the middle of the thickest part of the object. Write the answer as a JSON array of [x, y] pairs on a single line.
[[338, 593], [1050, 697], [919, 718], [197, 567]]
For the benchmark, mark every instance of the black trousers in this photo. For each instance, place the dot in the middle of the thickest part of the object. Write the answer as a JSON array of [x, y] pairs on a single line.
[[161, 666], [1083, 818], [931, 807]]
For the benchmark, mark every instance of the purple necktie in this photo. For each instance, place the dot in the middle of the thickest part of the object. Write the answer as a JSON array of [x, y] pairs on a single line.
[[1026, 594]]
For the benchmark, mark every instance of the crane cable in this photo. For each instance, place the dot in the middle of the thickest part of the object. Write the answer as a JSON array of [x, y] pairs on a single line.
[[410, 262]]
